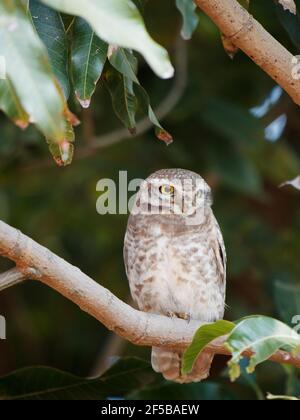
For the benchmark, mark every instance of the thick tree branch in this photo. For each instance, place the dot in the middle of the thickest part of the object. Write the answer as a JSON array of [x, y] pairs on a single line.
[[249, 35], [38, 263]]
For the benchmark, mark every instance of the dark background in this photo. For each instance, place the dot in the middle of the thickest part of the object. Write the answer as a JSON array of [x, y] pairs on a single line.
[[216, 136]]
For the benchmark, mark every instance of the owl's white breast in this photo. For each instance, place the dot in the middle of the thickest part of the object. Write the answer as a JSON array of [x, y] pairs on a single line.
[[173, 273]]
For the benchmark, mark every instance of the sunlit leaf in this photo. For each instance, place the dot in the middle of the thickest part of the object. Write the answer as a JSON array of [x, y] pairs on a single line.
[[51, 30], [11, 105], [119, 22], [190, 18], [264, 336], [204, 335], [88, 57], [35, 85]]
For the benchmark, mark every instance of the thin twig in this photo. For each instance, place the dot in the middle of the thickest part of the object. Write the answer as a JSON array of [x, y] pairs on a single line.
[[11, 278]]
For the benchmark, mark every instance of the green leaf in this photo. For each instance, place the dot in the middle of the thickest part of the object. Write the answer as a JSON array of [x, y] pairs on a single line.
[[11, 106], [125, 63], [119, 22], [264, 336], [35, 85], [190, 18], [287, 297], [89, 55], [204, 335], [44, 383], [50, 28], [123, 98]]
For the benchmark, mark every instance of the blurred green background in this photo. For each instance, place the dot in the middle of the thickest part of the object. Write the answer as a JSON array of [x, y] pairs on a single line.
[[215, 135]]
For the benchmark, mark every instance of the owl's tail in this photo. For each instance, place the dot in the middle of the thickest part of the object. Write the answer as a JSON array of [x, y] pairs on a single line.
[[168, 363]]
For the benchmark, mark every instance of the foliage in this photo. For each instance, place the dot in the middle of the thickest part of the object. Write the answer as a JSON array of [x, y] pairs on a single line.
[[51, 384], [82, 71], [264, 336], [56, 74]]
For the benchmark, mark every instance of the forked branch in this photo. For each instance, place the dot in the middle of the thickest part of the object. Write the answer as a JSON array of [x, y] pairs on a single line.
[[248, 34], [38, 263]]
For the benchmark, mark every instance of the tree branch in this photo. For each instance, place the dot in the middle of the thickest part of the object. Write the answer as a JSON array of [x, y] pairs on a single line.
[[248, 34], [11, 278], [38, 263]]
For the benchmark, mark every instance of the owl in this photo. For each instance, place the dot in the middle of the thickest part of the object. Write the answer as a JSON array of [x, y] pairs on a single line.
[[175, 260]]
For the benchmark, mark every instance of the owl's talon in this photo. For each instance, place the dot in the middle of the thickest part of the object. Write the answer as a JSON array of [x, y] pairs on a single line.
[[185, 316]]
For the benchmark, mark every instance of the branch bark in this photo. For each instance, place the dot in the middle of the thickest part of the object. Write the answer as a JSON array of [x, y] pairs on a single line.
[[38, 263], [11, 278], [248, 34]]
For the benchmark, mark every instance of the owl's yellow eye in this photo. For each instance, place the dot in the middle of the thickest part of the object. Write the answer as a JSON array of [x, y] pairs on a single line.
[[167, 189]]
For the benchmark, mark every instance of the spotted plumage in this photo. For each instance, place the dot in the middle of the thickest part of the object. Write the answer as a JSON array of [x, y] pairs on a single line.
[[175, 259]]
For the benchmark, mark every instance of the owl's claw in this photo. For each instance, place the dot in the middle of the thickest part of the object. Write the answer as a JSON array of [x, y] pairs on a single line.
[[181, 315]]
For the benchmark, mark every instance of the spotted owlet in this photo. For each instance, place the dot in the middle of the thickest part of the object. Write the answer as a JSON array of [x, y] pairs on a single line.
[[175, 259]]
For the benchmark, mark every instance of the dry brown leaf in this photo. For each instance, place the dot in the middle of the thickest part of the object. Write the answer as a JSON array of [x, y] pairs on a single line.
[[229, 47]]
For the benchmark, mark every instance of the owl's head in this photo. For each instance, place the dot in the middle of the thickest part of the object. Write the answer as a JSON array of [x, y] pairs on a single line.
[[175, 193]]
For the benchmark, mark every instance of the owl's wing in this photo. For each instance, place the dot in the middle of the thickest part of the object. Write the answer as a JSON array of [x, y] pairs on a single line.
[[220, 252], [131, 253], [126, 253]]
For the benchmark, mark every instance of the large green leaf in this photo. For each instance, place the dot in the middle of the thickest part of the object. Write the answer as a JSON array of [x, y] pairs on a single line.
[[43, 383], [125, 63], [205, 335], [11, 106], [119, 22], [29, 70], [190, 18], [50, 27], [89, 55], [264, 336]]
